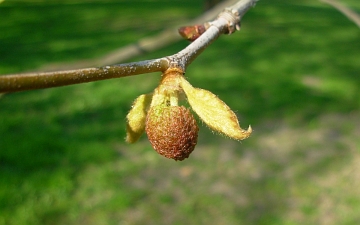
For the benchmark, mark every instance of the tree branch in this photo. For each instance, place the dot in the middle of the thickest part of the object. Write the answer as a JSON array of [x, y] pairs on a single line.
[[21, 82], [227, 22]]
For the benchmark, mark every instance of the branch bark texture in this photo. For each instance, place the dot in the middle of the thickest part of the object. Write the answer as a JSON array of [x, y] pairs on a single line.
[[227, 22]]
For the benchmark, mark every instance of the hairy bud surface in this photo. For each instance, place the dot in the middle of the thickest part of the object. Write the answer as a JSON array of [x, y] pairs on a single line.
[[172, 131]]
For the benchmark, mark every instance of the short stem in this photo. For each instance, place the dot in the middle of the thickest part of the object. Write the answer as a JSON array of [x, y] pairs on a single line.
[[174, 99]]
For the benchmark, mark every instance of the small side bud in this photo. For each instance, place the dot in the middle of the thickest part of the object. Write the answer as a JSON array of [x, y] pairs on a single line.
[[172, 131], [191, 33]]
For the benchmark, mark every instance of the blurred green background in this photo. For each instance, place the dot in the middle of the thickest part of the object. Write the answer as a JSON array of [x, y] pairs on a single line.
[[292, 73]]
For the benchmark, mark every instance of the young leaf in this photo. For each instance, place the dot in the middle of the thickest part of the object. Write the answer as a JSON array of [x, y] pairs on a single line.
[[136, 118], [214, 112]]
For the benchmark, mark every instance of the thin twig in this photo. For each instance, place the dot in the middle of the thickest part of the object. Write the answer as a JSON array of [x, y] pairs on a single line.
[[350, 14], [144, 45], [226, 22]]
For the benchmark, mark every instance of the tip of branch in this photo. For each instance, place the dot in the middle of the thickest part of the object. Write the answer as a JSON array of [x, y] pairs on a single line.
[[191, 33]]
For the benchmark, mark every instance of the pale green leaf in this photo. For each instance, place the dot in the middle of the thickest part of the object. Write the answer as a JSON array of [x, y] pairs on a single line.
[[214, 112], [136, 118]]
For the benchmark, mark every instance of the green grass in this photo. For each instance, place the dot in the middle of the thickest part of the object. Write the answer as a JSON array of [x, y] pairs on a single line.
[[292, 73]]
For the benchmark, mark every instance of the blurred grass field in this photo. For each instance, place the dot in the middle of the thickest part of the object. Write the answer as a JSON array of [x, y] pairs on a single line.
[[292, 72]]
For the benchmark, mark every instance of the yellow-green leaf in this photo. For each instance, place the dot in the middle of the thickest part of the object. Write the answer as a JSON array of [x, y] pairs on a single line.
[[214, 112], [136, 118]]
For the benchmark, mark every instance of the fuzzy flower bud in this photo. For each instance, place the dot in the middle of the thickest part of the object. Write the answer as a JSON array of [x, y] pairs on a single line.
[[172, 131]]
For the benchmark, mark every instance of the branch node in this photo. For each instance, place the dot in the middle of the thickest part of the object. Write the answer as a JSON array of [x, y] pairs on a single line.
[[176, 62], [233, 20]]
